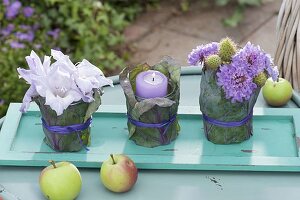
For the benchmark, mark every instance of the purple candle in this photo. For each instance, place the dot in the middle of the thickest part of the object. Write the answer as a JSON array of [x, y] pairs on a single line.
[[151, 84]]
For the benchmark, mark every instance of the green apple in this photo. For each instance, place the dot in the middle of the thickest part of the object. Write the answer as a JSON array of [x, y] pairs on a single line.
[[277, 93], [118, 173], [60, 181]]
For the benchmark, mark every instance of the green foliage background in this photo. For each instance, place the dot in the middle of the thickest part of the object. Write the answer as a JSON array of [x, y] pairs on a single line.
[[90, 29]]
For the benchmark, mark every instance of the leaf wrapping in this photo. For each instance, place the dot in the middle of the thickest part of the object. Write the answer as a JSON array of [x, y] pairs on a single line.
[[153, 110], [214, 104], [76, 113]]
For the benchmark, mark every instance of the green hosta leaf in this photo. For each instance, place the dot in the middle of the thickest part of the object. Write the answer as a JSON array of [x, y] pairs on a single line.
[[118, 21], [236, 18]]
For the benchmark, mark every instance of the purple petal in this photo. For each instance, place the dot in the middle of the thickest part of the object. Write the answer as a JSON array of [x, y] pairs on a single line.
[[17, 45], [5, 2], [2, 101], [6, 31], [197, 55], [29, 36], [28, 11], [13, 10], [25, 27], [37, 46], [54, 33]]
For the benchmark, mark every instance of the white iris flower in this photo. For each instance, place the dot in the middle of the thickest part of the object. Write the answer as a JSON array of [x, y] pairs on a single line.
[[60, 83]]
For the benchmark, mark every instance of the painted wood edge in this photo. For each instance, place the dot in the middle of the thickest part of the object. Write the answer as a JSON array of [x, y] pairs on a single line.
[[185, 109], [1, 121], [257, 164], [10, 126]]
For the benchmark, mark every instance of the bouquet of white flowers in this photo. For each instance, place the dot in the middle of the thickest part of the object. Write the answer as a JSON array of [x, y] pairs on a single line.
[[67, 95]]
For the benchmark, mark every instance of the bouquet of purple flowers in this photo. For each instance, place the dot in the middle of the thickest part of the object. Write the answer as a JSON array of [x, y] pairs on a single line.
[[230, 83]]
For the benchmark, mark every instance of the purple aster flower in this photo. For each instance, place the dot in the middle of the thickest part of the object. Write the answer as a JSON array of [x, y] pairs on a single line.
[[236, 82], [251, 58], [6, 31], [13, 10], [36, 27], [25, 27], [54, 33], [37, 46], [29, 36], [197, 55], [2, 102], [271, 69], [6, 2], [273, 72], [255, 61], [28, 11], [16, 45]]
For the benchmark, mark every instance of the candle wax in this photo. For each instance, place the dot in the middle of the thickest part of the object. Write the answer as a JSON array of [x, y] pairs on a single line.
[[153, 79], [151, 84]]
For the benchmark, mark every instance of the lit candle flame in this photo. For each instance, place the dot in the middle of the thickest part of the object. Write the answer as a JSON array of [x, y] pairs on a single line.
[[153, 76]]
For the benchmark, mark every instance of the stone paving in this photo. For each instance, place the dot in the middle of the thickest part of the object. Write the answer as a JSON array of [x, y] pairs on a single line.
[[166, 31]]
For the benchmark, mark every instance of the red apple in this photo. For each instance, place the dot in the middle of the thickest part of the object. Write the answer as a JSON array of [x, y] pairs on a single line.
[[277, 93], [118, 173], [60, 181]]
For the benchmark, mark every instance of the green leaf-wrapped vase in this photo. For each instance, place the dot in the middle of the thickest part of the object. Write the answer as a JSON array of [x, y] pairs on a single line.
[[76, 113], [158, 110], [214, 105]]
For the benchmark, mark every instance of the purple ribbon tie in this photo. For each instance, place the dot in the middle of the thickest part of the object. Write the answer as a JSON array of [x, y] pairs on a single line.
[[151, 125], [65, 130], [164, 124], [228, 124]]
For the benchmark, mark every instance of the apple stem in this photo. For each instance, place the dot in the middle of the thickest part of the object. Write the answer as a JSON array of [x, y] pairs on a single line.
[[52, 163], [112, 157]]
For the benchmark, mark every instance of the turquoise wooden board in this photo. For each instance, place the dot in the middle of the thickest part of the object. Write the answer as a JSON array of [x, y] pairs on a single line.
[[274, 146]]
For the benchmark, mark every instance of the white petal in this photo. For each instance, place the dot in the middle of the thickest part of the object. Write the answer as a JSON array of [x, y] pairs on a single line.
[[37, 63], [89, 71], [105, 81], [57, 55], [63, 61], [84, 85], [85, 68], [41, 90], [31, 92], [25, 74], [54, 102], [76, 95], [46, 63]]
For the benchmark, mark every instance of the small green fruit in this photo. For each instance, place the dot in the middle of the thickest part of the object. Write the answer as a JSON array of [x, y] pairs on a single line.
[[227, 49], [213, 61], [60, 180], [277, 93], [260, 79]]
